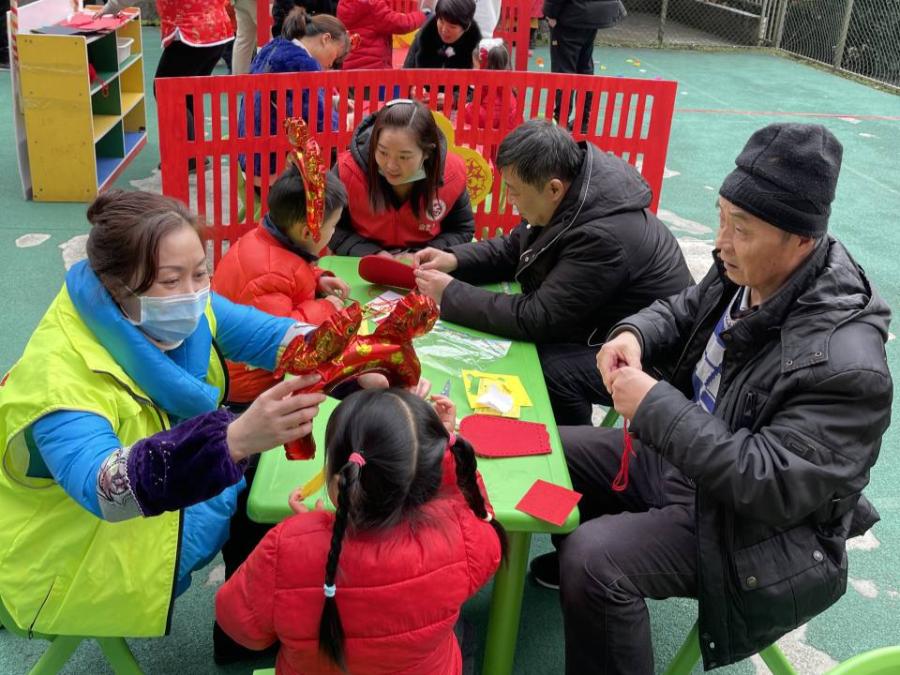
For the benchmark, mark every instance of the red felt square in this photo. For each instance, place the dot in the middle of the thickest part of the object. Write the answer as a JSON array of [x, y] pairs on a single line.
[[378, 269], [549, 502], [493, 436]]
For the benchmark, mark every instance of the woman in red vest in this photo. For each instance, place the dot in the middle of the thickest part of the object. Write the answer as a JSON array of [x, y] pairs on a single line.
[[406, 191]]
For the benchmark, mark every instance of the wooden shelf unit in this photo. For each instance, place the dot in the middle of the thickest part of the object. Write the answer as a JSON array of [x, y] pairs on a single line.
[[81, 134]]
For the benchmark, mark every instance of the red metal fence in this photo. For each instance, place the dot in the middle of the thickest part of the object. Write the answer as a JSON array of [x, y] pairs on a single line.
[[628, 117]]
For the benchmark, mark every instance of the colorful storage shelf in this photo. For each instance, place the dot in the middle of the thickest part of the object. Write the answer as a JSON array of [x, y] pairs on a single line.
[[81, 134]]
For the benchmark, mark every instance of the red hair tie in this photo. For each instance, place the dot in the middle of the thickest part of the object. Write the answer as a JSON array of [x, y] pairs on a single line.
[[483, 58], [357, 459], [306, 155]]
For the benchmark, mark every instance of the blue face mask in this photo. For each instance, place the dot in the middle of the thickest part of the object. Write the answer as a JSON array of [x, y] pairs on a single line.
[[173, 318]]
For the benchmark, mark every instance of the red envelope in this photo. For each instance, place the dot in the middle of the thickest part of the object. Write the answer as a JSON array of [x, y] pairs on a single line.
[[549, 502], [493, 436], [378, 269]]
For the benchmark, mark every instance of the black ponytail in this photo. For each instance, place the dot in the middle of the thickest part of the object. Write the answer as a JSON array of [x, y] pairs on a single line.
[[331, 632], [466, 467]]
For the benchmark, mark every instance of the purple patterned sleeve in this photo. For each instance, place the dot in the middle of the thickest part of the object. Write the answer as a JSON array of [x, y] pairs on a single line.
[[184, 465]]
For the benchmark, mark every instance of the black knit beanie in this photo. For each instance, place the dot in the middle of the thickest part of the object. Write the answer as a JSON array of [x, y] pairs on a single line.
[[786, 175]]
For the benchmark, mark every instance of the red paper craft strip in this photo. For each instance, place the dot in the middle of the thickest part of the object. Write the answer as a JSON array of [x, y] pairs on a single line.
[[493, 436], [549, 502], [378, 269]]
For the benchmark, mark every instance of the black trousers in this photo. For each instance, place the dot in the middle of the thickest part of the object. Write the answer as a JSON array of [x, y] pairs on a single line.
[[572, 51], [573, 381], [181, 60], [631, 545]]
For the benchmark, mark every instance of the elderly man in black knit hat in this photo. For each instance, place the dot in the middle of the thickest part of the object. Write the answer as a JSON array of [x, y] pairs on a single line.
[[753, 448]]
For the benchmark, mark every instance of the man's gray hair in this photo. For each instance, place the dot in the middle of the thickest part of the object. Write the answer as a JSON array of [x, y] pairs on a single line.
[[538, 151]]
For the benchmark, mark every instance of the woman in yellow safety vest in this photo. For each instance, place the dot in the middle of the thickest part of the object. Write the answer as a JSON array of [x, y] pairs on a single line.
[[118, 470]]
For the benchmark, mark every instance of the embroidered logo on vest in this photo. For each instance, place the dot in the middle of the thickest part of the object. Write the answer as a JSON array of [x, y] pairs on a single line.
[[438, 209]]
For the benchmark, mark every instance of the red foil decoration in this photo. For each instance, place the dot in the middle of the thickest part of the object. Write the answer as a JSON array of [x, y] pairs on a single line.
[[337, 352], [306, 155]]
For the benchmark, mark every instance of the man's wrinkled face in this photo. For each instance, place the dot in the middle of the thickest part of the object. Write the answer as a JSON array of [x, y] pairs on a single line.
[[755, 254]]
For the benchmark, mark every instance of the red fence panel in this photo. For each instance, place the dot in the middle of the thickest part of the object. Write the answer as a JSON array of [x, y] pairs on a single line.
[[629, 117], [514, 27]]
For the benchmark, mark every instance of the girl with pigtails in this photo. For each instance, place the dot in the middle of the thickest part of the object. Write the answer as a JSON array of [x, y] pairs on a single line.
[[376, 586]]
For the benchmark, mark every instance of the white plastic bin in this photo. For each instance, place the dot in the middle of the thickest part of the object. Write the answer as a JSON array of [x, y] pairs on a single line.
[[123, 48]]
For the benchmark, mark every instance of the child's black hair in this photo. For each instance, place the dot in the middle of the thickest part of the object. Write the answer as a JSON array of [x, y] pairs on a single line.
[[497, 57], [287, 198], [402, 442]]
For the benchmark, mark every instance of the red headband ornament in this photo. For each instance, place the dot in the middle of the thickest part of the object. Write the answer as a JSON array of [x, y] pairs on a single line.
[[306, 155], [483, 58]]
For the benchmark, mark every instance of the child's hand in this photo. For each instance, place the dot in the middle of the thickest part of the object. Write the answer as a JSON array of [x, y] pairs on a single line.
[[421, 388], [295, 501], [329, 285], [336, 301], [446, 412]]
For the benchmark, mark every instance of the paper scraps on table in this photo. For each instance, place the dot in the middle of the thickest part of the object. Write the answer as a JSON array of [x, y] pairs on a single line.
[[494, 393], [502, 437], [549, 502], [379, 307]]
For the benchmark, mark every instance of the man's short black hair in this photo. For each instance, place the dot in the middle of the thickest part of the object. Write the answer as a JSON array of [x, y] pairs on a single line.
[[287, 198], [538, 151]]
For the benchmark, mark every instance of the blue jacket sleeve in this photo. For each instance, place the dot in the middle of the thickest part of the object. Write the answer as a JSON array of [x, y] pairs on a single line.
[[73, 445], [248, 335]]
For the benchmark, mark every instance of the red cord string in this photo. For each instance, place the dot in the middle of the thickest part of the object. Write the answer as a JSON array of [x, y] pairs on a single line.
[[620, 482]]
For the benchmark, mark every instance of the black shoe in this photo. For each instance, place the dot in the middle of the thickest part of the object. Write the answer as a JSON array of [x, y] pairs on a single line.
[[545, 570], [227, 651]]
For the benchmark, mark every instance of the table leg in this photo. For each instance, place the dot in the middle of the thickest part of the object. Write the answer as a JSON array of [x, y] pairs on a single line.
[[506, 605]]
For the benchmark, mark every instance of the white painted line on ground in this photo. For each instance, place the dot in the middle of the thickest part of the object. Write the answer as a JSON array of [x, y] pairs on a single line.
[[74, 250], [33, 239], [805, 658], [864, 587]]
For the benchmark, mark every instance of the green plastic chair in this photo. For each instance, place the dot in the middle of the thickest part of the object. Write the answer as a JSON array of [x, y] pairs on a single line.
[[884, 661], [688, 656], [62, 647]]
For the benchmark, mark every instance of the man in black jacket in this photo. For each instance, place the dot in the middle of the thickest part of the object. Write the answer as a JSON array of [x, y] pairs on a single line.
[[752, 453], [588, 253]]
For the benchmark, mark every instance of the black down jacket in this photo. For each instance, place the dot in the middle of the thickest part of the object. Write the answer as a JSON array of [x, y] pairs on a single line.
[[804, 398], [602, 257]]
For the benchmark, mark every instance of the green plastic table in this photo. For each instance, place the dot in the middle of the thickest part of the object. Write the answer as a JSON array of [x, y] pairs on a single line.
[[506, 479]]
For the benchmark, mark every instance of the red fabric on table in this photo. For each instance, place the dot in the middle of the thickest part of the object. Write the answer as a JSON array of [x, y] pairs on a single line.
[[378, 269], [493, 436], [550, 502]]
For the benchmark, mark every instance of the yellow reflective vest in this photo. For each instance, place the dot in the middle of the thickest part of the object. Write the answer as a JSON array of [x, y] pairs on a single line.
[[63, 571]]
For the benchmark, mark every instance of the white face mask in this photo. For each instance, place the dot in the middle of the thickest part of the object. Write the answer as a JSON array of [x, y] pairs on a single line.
[[412, 178], [171, 319]]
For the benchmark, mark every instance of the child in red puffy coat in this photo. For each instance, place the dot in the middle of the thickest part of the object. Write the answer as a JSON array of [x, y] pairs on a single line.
[[377, 22], [492, 54], [273, 267], [377, 586]]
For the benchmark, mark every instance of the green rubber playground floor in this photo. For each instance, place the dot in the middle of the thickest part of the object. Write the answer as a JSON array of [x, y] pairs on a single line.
[[722, 98]]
